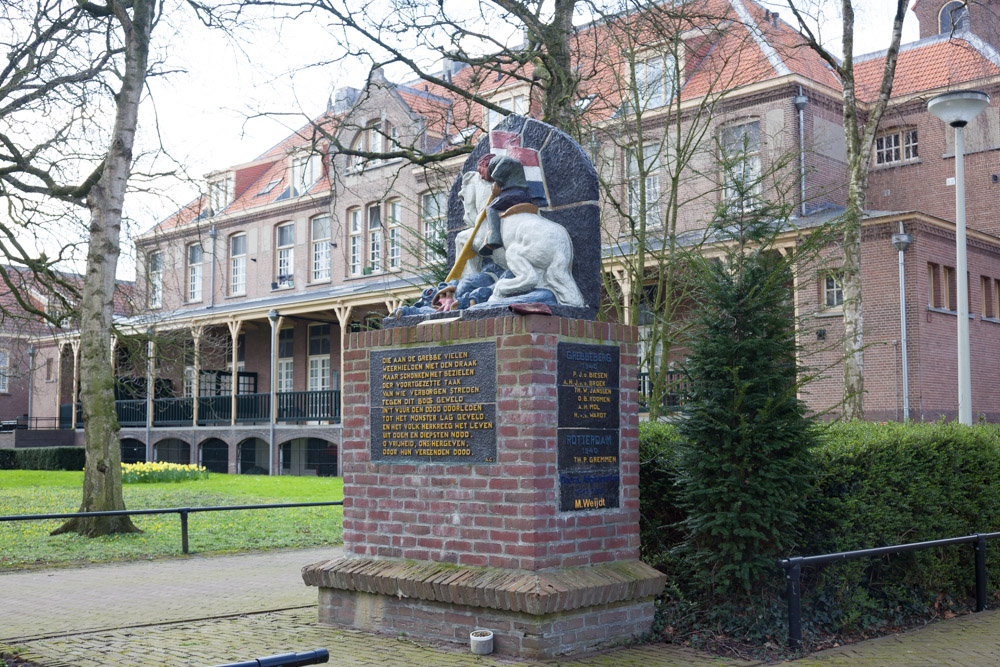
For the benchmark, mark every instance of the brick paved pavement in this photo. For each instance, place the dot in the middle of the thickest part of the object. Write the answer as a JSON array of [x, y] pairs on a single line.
[[40, 603], [969, 640], [208, 610]]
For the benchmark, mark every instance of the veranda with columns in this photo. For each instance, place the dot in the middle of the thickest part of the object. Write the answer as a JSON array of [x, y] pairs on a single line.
[[245, 390]]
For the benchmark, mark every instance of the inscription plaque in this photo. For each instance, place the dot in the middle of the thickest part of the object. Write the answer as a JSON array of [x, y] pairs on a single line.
[[588, 427], [434, 404]]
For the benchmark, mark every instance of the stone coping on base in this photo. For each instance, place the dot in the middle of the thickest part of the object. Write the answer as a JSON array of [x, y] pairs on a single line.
[[537, 593]]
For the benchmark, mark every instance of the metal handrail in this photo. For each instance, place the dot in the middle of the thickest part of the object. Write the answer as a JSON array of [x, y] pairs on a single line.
[[285, 660], [793, 572], [182, 511]]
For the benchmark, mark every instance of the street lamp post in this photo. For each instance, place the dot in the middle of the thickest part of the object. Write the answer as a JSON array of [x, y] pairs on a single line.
[[901, 242], [957, 109]]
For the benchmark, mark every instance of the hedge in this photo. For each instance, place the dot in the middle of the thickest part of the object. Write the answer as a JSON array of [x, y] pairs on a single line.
[[884, 484], [874, 485], [43, 458]]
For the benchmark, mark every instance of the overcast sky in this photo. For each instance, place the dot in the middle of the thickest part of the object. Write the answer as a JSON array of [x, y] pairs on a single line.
[[207, 116]]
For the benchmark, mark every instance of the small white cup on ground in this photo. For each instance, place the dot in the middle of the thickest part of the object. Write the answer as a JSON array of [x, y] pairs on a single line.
[[481, 642]]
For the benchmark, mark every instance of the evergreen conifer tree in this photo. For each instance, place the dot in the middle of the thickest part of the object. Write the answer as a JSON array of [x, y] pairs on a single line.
[[744, 469]]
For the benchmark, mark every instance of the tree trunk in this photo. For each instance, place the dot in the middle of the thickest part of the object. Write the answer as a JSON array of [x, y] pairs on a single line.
[[102, 479], [854, 379]]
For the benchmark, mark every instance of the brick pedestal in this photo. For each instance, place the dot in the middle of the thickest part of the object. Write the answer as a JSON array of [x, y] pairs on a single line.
[[534, 536]]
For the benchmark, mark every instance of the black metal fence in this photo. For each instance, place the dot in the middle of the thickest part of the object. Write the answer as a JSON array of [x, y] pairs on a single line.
[[793, 572], [182, 511], [671, 400], [293, 406]]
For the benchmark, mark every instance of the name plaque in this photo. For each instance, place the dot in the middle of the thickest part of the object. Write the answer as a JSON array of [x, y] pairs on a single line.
[[434, 404], [588, 426]]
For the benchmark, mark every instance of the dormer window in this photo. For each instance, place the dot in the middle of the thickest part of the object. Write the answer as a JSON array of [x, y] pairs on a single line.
[[954, 16], [306, 170], [654, 78], [220, 193], [517, 104]]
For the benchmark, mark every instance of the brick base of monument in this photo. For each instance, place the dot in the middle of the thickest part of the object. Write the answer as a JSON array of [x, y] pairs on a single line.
[[491, 473], [533, 615]]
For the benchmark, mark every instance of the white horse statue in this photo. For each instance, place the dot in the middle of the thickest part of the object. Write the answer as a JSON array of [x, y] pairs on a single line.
[[538, 251]]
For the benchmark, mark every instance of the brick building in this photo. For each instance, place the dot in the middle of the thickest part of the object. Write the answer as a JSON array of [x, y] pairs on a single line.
[[264, 274]]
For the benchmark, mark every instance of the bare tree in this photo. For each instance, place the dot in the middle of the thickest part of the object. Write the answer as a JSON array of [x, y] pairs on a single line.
[[861, 122], [649, 140], [72, 63]]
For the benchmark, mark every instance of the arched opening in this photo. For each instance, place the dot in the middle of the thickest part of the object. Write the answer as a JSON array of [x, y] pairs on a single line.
[[213, 455], [252, 457], [954, 16], [133, 451], [172, 450], [309, 456]]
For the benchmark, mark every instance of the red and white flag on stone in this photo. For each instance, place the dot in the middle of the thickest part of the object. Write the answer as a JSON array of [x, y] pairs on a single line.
[[509, 143]]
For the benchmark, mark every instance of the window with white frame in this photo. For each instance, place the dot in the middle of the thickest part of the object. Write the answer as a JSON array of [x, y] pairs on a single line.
[[654, 78], [237, 264], [643, 172], [306, 170], [833, 290], [286, 361], [220, 193], [155, 269], [375, 238], [954, 16], [320, 230], [319, 357], [514, 103], [284, 236], [376, 142], [195, 259], [394, 218], [433, 212], [4, 371], [354, 241], [741, 186], [896, 146], [377, 137]]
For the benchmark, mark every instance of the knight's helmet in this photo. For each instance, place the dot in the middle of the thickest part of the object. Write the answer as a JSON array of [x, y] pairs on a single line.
[[508, 172]]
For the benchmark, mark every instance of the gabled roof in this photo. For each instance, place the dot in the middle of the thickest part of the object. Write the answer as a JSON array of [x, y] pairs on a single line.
[[14, 318], [735, 43], [934, 62]]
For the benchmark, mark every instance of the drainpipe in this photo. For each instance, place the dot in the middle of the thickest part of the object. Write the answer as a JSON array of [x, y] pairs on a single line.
[[901, 242], [213, 233], [800, 102], [31, 378], [272, 316]]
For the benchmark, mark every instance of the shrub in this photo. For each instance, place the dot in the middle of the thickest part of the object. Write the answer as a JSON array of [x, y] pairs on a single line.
[[139, 473], [659, 511], [49, 458], [884, 484], [7, 459]]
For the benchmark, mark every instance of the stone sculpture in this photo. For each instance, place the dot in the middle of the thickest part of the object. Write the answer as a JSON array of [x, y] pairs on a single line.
[[529, 251]]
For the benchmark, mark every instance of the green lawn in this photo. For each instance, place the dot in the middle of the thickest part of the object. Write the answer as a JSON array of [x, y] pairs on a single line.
[[27, 543]]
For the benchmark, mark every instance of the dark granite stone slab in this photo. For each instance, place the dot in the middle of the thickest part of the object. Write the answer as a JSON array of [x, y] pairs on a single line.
[[588, 490], [587, 379], [434, 404]]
